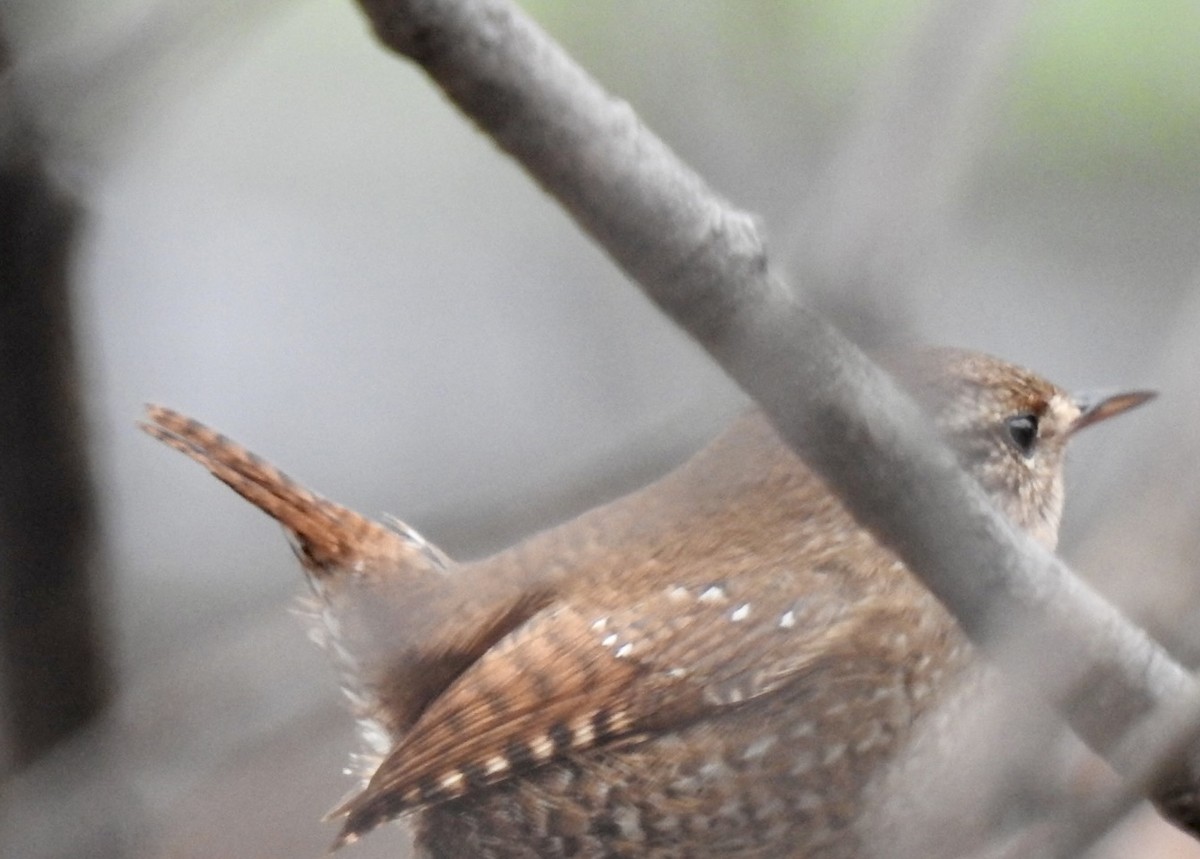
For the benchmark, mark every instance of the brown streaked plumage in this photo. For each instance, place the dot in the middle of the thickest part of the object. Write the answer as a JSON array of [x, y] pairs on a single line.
[[718, 665]]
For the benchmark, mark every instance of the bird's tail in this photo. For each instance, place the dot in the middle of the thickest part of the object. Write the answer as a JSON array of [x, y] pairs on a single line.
[[330, 538], [379, 591]]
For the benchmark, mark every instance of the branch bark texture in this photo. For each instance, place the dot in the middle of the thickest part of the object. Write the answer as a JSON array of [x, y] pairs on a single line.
[[704, 263]]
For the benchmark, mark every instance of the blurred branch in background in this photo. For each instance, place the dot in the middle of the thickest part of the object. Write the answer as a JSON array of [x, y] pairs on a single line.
[[1143, 546], [64, 752], [62, 98], [871, 219], [864, 232], [89, 89], [1154, 515], [52, 642]]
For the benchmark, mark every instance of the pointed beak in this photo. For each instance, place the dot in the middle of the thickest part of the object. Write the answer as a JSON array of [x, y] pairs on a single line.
[[1099, 406]]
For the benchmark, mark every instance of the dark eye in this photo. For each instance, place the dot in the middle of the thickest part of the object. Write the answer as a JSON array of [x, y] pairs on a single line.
[[1022, 432]]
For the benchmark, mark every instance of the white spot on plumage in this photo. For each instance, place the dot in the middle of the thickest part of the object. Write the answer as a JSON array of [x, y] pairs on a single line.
[[584, 731], [376, 739], [758, 748], [715, 770], [618, 722], [833, 753], [496, 764], [803, 729], [541, 749], [356, 700], [452, 782], [713, 594], [609, 640], [628, 820], [677, 593], [787, 620], [624, 650], [740, 613], [874, 737]]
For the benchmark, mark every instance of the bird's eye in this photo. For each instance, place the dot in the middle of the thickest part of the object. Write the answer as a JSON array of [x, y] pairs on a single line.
[[1022, 432]]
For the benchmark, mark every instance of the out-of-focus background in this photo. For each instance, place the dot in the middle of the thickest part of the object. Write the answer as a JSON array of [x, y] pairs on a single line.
[[271, 224]]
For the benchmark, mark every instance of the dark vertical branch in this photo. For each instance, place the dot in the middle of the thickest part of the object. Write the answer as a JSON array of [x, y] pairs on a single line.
[[54, 668]]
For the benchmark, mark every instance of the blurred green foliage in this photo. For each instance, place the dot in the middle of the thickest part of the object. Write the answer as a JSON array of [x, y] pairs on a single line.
[[1094, 88], [1109, 86]]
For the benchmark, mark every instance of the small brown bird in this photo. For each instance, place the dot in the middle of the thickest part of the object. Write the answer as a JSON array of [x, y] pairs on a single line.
[[717, 665]]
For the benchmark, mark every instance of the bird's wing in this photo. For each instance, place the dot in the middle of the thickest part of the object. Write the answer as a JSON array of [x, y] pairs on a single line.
[[572, 679]]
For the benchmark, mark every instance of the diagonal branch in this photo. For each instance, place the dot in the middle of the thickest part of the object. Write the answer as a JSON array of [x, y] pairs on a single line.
[[704, 264]]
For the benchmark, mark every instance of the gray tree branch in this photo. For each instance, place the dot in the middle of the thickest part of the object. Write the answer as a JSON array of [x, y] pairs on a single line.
[[704, 264]]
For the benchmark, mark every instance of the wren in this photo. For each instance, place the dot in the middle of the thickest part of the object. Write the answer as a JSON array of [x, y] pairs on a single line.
[[720, 664]]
